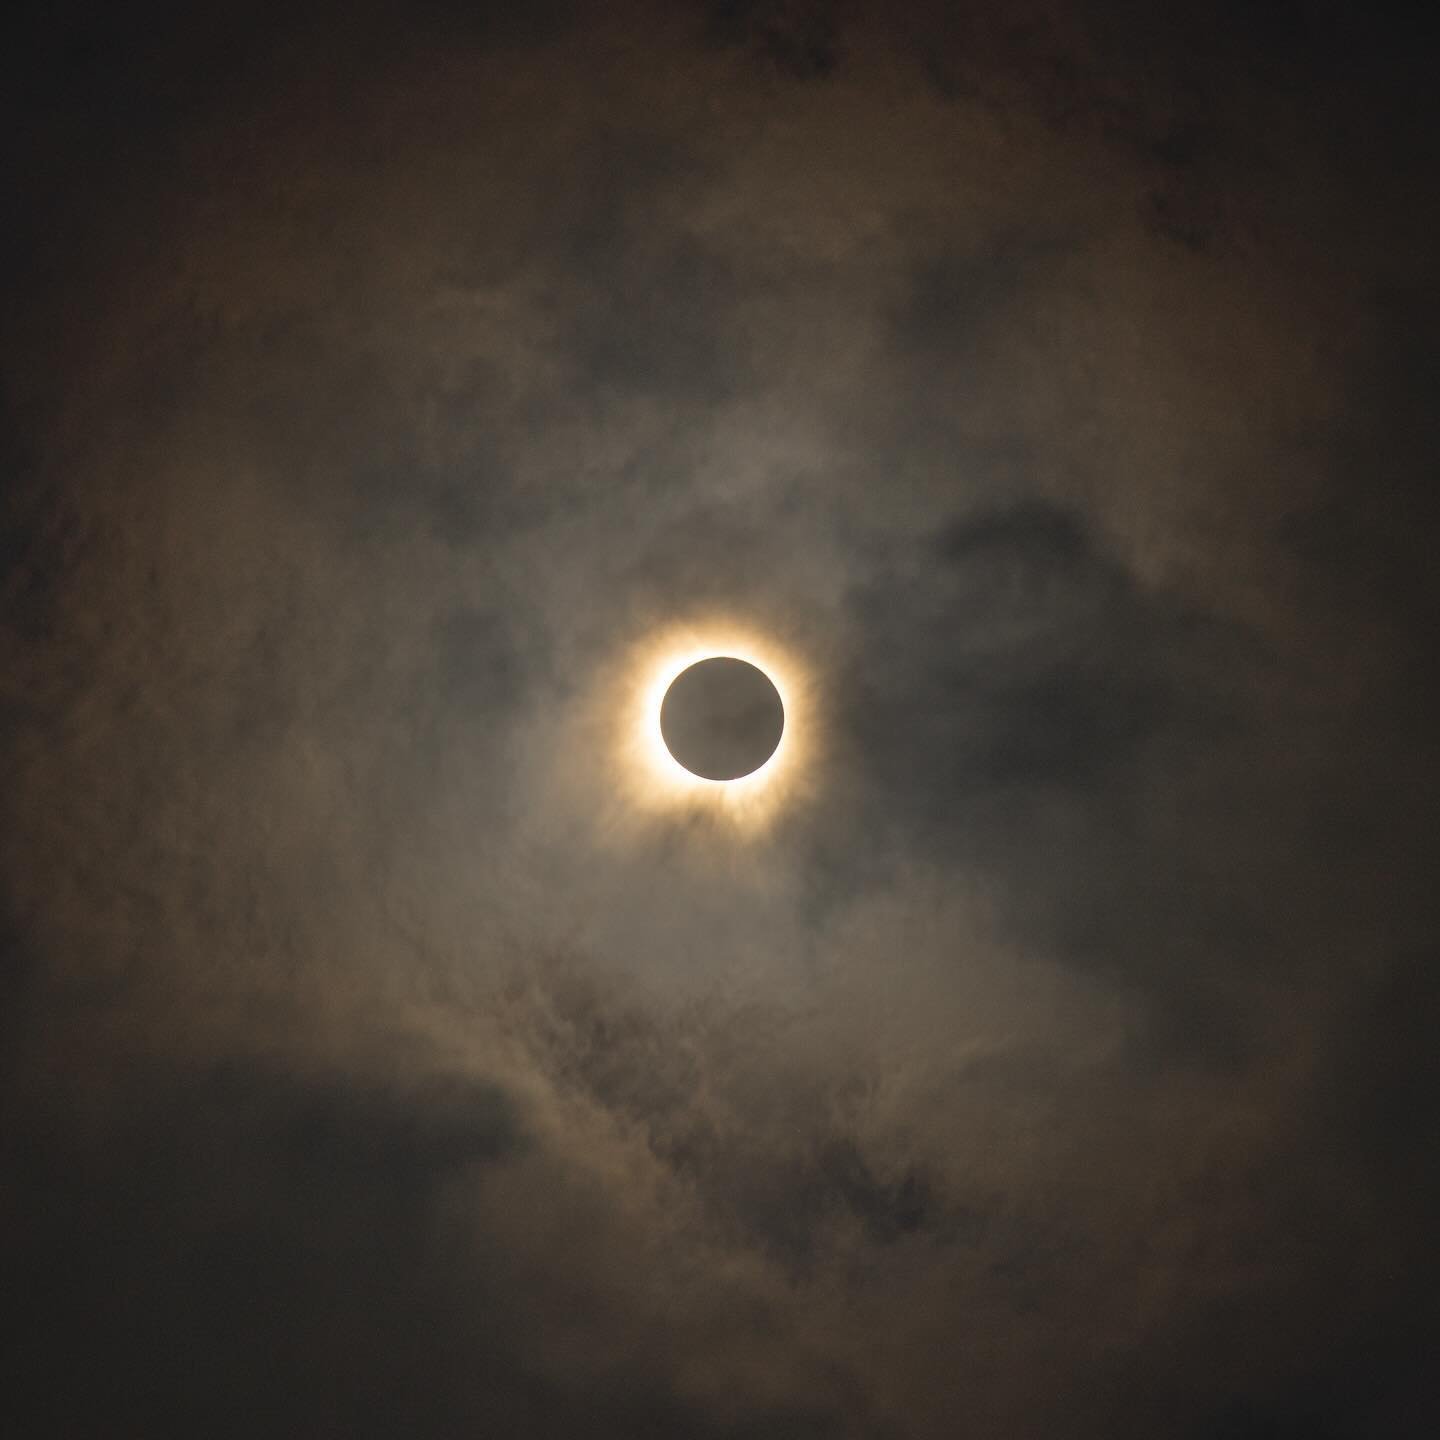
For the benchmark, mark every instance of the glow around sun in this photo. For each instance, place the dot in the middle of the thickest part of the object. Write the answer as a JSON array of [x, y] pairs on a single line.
[[659, 782]]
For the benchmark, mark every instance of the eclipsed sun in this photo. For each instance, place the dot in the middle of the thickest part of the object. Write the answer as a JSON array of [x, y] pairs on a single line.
[[718, 723]]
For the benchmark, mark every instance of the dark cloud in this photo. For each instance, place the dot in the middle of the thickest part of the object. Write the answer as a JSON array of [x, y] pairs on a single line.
[[213, 1260], [250, 1246], [1028, 658], [1020, 693], [800, 39], [41, 536], [19, 969]]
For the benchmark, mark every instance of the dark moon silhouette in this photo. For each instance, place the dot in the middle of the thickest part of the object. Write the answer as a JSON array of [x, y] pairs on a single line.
[[722, 718]]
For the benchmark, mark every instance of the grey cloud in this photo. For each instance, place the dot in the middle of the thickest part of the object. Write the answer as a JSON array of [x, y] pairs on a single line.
[[1058, 1062], [778, 1177]]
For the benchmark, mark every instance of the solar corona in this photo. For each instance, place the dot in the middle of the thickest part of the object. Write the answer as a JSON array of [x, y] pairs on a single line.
[[720, 722]]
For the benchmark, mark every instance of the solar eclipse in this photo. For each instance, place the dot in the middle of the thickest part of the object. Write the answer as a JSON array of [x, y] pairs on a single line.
[[714, 721]]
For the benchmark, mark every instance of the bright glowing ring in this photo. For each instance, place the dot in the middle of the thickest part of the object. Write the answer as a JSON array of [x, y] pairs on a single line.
[[658, 781]]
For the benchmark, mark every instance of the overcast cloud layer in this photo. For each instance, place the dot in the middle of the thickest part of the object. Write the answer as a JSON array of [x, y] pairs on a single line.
[[1057, 384]]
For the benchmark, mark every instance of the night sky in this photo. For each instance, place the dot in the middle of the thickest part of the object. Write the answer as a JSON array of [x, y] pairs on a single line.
[[1047, 393]]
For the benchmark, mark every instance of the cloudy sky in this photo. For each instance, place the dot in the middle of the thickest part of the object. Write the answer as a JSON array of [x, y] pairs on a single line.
[[1046, 392]]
